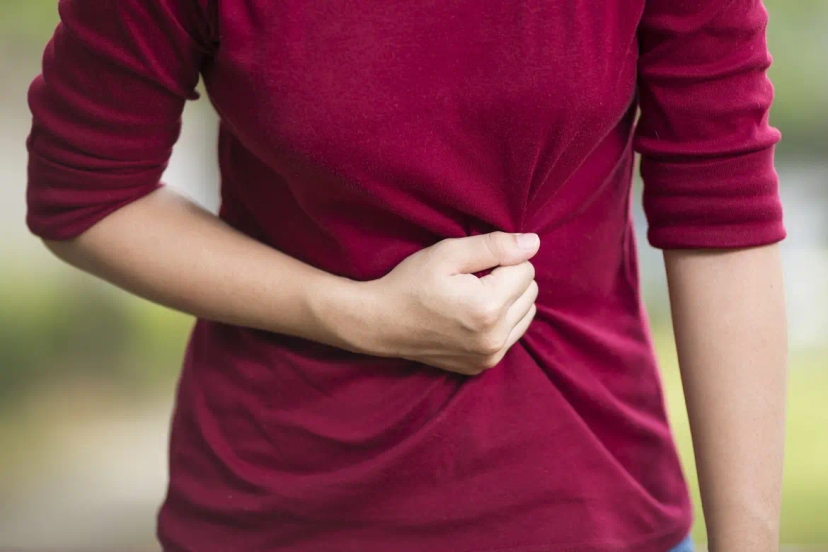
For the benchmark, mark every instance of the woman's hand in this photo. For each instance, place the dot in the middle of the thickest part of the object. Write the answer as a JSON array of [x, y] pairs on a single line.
[[433, 309]]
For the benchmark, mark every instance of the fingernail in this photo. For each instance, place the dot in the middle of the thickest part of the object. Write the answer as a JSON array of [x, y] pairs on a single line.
[[527, 241]]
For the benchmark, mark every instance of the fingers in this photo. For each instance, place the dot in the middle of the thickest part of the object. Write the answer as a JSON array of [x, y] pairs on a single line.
[[489, 361], [506, 283], [521, 327], [476, 253], [493, 338], [517, 311]]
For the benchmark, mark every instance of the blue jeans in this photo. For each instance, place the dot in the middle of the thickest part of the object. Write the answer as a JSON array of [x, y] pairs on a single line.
[[684, 546]]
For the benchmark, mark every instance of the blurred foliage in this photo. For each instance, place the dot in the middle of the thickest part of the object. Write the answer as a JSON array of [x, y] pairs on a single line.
[[73, 327], [796, 34]]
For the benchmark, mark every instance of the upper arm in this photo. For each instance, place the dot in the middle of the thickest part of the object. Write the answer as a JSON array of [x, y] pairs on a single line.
[[706, 144], [107, 106]]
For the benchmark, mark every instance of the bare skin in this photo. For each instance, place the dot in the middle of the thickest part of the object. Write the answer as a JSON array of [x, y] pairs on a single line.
[[728, 313], [430, 308], [729, 320]]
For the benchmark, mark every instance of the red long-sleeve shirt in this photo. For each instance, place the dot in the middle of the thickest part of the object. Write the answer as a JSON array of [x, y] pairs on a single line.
[[356, 133]]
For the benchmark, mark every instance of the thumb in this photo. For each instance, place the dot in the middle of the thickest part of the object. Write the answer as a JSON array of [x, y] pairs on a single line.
[[484, 251]]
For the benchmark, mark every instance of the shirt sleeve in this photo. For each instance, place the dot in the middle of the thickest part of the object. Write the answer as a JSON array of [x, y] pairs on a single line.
[[705, 142], [107, 106]]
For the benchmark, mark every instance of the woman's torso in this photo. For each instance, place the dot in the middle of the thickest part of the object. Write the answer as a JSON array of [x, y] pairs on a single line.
[[354, 134]]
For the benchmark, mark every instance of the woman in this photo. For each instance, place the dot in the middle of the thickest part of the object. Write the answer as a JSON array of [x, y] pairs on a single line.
[[419, 319]]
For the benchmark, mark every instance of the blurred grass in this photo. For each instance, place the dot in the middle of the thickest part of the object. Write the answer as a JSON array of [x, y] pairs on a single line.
[[74, 326]]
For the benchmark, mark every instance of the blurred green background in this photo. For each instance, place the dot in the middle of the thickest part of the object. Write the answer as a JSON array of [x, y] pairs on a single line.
[[87, 373]]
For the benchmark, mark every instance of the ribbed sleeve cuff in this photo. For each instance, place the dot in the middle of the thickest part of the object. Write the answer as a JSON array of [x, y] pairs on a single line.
[[722, 203], [63, 202]]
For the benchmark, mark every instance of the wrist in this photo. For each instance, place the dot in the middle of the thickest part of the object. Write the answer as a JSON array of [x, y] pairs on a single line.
[[347, 313]]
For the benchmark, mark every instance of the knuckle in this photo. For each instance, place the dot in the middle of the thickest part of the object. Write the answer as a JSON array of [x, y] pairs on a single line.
[[494, 243], [487, 314], [491, 343]]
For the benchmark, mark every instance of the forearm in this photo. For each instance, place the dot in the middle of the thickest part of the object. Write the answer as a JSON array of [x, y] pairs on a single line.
[[168, 250], [729, 319]]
